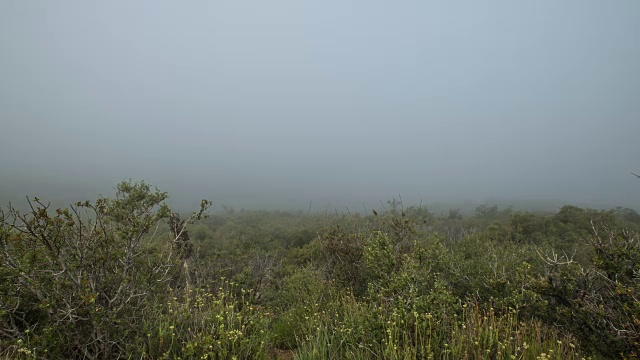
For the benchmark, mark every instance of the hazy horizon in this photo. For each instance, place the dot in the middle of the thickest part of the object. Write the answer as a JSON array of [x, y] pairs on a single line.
[[276, 104]]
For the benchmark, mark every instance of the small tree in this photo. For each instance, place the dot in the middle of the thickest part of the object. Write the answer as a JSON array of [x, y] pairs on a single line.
[[454, 214], [486, 211]]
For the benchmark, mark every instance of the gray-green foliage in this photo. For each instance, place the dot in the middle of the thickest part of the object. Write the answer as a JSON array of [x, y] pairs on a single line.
[[108, 278], [77, 278]]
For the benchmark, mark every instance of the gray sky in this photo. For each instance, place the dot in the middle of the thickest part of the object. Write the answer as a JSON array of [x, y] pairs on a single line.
[[281, 102]]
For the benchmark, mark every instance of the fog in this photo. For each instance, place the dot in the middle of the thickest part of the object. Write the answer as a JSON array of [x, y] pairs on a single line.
[[278, 104]]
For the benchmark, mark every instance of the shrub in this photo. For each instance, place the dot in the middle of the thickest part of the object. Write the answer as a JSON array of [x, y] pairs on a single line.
[[79, 277]]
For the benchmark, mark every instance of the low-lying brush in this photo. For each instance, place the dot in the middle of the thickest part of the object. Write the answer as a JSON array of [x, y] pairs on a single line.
[[109, 280]]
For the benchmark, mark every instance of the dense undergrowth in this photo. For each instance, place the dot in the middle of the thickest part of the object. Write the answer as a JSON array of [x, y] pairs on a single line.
[[110, 279]]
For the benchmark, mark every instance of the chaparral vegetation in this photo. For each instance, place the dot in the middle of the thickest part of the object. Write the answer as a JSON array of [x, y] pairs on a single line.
[[125, 277]]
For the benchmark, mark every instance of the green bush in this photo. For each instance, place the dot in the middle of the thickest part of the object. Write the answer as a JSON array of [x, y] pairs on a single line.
[[79, 277]]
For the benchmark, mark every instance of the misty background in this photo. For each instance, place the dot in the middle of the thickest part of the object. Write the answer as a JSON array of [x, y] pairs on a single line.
[[273, 104]]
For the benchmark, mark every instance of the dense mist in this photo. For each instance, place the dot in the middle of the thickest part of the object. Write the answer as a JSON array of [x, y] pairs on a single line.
[[280, 104]]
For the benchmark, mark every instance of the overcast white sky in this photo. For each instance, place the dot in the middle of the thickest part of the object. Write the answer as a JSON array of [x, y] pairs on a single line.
[[280, 102]]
